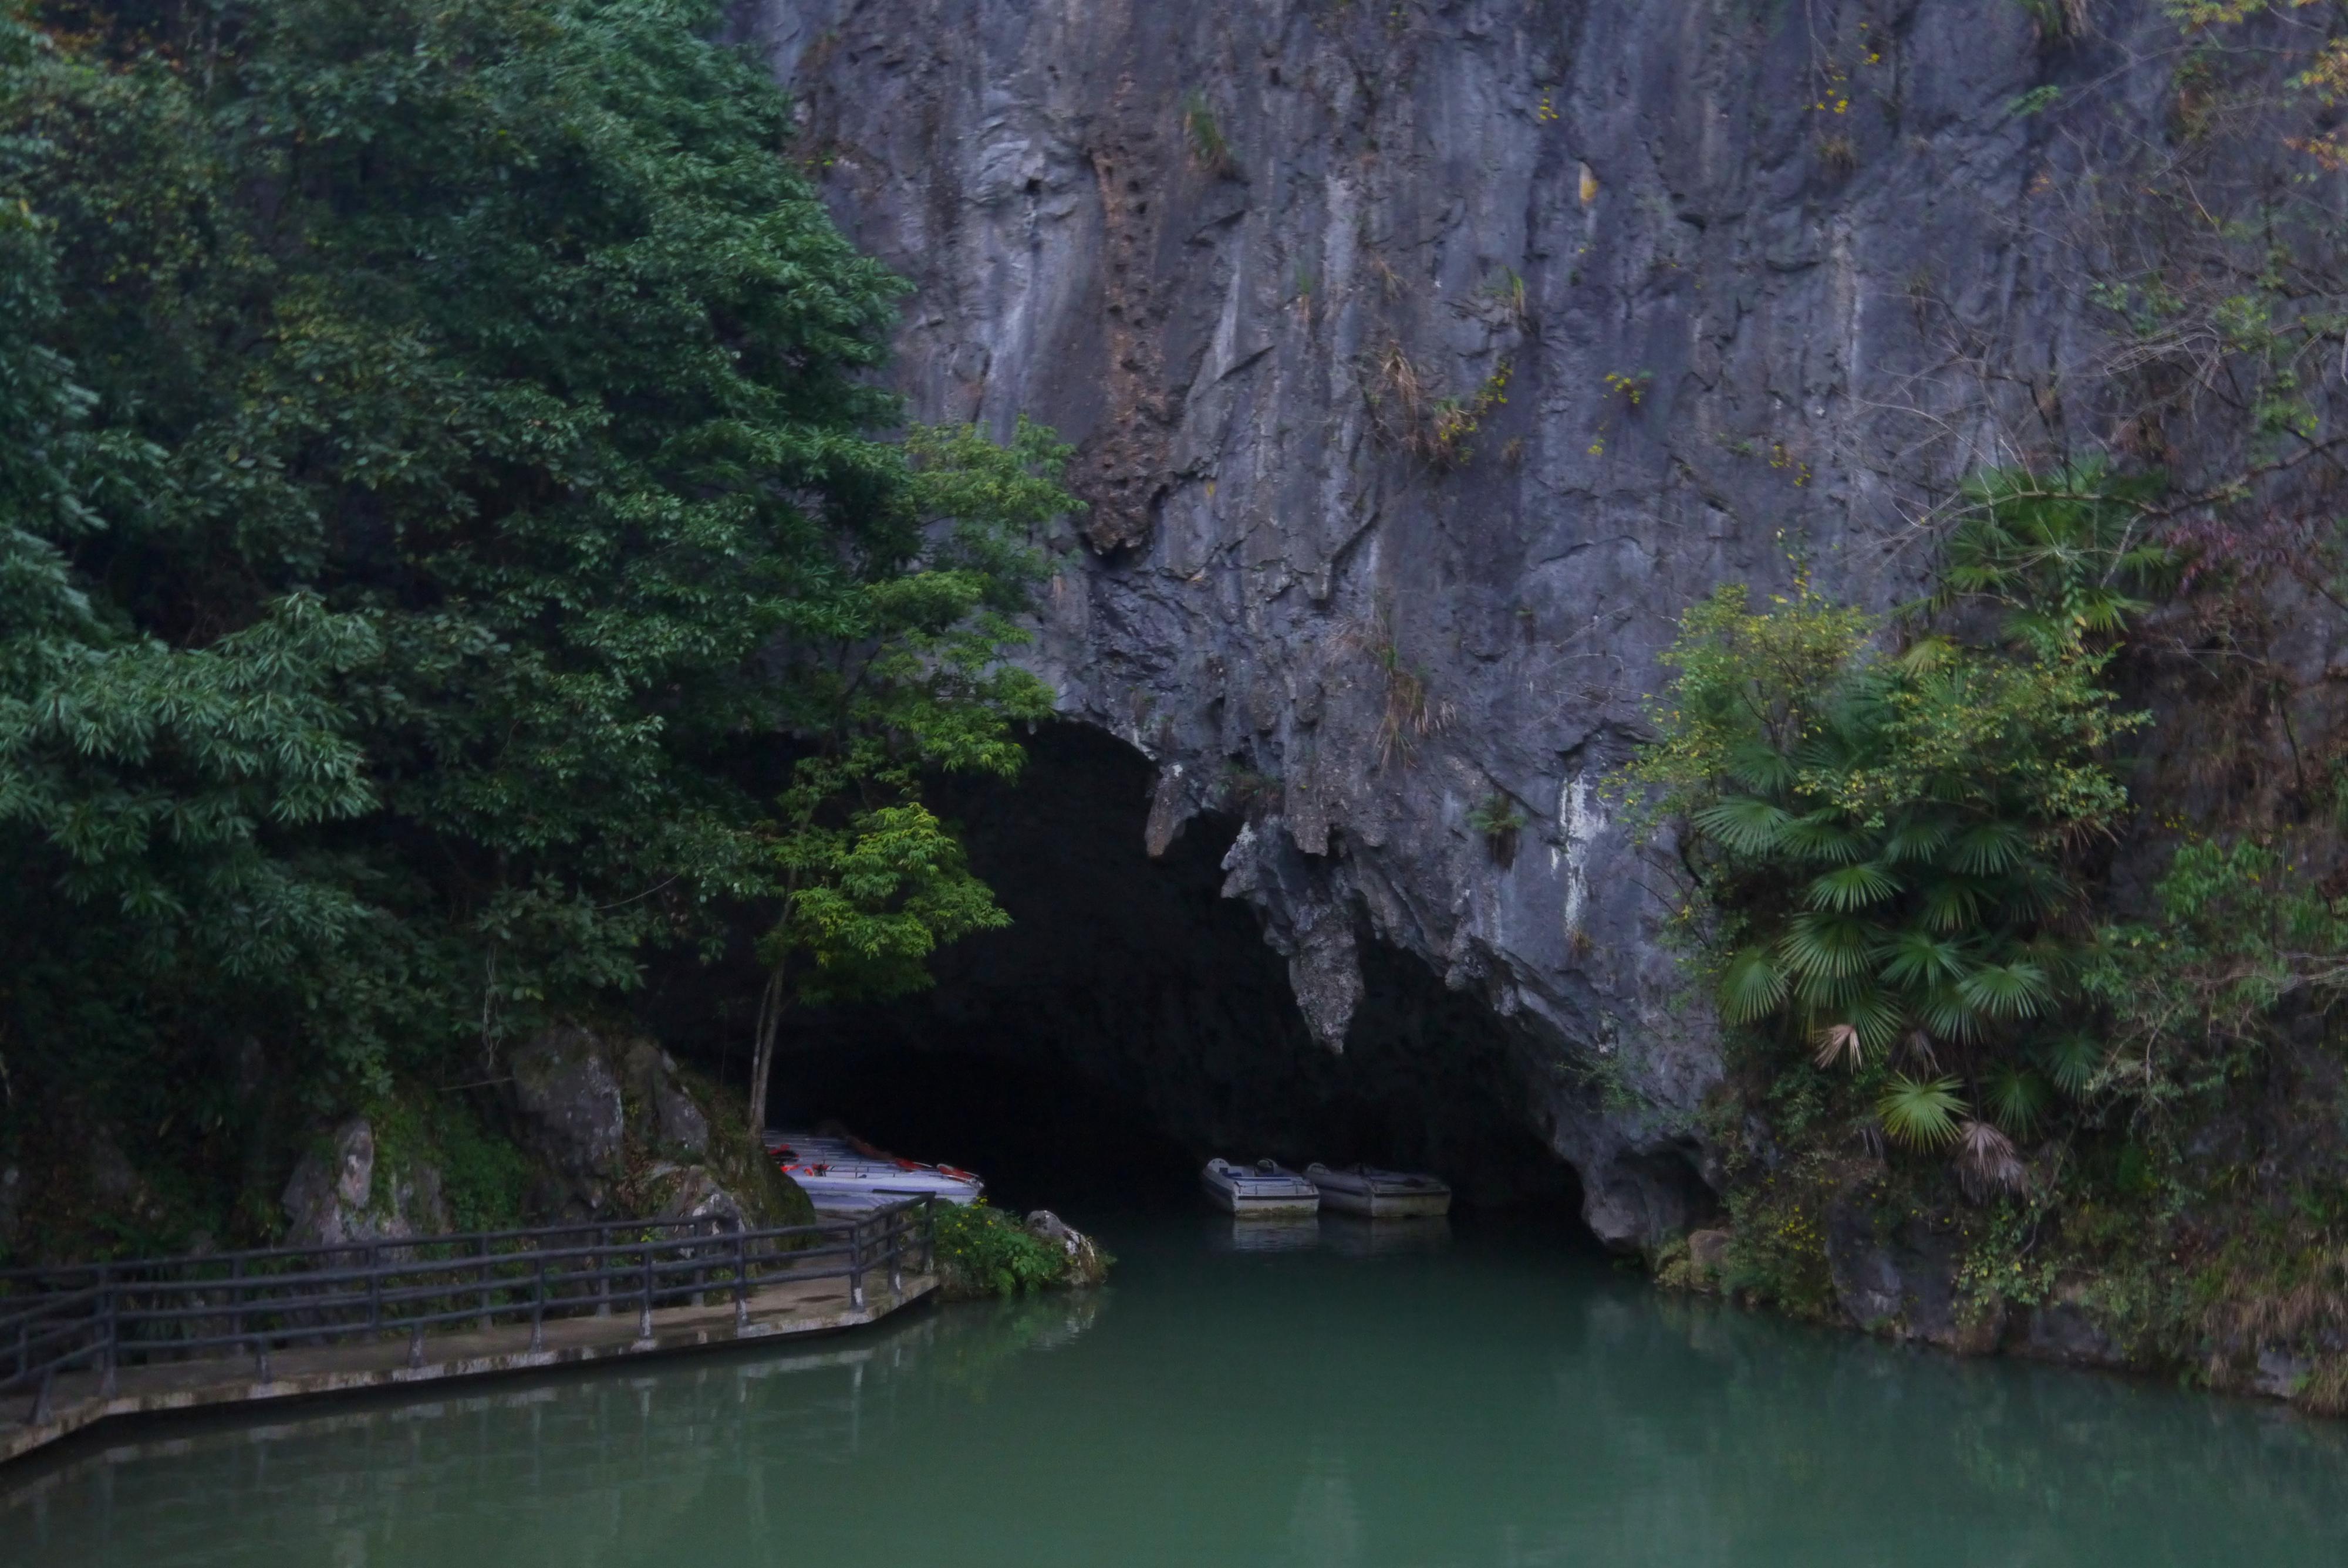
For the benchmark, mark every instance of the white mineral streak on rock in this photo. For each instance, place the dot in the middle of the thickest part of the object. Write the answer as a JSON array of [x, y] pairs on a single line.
[[1579, 821]]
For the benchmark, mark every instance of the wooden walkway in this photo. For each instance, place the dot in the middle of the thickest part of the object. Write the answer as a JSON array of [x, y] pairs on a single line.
[[792, 1308]]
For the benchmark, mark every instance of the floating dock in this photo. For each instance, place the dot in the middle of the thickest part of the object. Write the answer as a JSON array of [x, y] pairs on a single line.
[[392, 1315]]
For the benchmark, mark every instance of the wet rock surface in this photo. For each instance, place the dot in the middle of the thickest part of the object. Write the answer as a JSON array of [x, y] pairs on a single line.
[[340, 1191], [1424, 361], [566, 1096], [1087, 1265], [609, 1126], [1242, 254], [1895, 1274], [619, 1130]]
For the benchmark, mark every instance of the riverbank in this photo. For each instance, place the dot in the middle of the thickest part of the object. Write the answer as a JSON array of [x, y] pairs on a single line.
[[2224, 1274]]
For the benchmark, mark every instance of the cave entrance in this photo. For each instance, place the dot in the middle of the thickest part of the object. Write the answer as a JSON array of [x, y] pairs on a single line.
[[1132, 1022]]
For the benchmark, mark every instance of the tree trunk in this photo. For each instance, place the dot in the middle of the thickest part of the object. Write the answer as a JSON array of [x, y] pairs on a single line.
[[762, 1052]]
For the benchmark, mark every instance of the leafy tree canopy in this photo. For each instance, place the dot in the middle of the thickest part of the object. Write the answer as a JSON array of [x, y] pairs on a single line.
[[440, 460]]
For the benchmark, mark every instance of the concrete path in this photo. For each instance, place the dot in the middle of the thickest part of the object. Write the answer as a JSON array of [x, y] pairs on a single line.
[[810, 1306]]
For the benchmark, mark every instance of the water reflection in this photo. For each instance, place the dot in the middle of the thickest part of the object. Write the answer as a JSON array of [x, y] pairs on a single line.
[[1493, 1400], [1226, 1235], [1353, 1236], [1326, 1531]]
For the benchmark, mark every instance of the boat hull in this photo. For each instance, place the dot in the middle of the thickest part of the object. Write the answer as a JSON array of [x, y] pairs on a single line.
[[1388, 1207], [1257, 1194], [852, 1195], [843, 1177], [1380, 1194]]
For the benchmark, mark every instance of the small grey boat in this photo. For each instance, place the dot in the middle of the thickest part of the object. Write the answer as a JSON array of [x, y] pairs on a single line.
[[1380, 1194], [1265, 1189]]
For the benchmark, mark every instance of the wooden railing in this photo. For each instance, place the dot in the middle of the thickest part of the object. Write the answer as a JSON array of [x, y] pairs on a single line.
[[99, 1317]]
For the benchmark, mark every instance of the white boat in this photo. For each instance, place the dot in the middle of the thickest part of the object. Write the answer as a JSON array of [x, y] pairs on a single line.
[[1265, 1189], [1380, 1194], [850, 1177]]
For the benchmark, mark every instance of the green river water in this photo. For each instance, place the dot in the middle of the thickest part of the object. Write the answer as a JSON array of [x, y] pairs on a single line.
[[1488, 1395]]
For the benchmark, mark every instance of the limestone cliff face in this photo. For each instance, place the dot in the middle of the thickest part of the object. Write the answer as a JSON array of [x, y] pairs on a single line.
[[1424, 361]]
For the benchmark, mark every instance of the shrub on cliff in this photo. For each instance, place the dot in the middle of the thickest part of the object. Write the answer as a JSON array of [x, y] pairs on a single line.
[[1883, 841]]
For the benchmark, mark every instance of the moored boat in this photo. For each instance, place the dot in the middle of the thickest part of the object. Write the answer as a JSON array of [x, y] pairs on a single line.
[[1263, 1190], [850, 1177], [1380, 1194]]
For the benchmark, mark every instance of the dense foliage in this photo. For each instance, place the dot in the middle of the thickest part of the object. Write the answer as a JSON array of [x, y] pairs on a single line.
[[1886, 840], [1894, 835], [442, 493], [981, 1251]]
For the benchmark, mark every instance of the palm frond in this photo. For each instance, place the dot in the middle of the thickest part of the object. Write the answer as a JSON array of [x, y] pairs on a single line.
[[2105, 609], [1853, 887], [2035, 889], [1986, 1163], [1988, 848], [1822, 996], [1917, 958], [1951, 903], [1921, 1114], [1824, 836], [1838, 1042], [1876, 1015], [1828, 945], [1915, 840], [1752, 987], [2017, 1098], [1927, 653], [2013, 990], [1868, 1022], [1760, 766], [1946, 1012], [2072, 1060], [1744, 824]]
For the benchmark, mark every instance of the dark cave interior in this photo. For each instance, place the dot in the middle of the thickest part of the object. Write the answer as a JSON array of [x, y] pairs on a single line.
[[1131, 1023]]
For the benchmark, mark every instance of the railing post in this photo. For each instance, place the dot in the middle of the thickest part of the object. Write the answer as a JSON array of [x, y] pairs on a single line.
[[537, 1308], [109, 1350], [645, 1313], [741, 1277], [856, 1264]]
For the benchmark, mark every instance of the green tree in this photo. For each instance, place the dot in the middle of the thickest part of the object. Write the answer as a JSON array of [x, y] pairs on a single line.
[[443, 470], [865, 880]]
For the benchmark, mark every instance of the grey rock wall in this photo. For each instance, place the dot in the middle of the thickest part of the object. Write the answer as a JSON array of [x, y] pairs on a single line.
[[339, 1192], [1722, 285]]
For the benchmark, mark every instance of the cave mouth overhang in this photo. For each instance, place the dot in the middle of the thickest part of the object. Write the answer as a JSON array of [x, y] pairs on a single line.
[[1132, 1019]]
